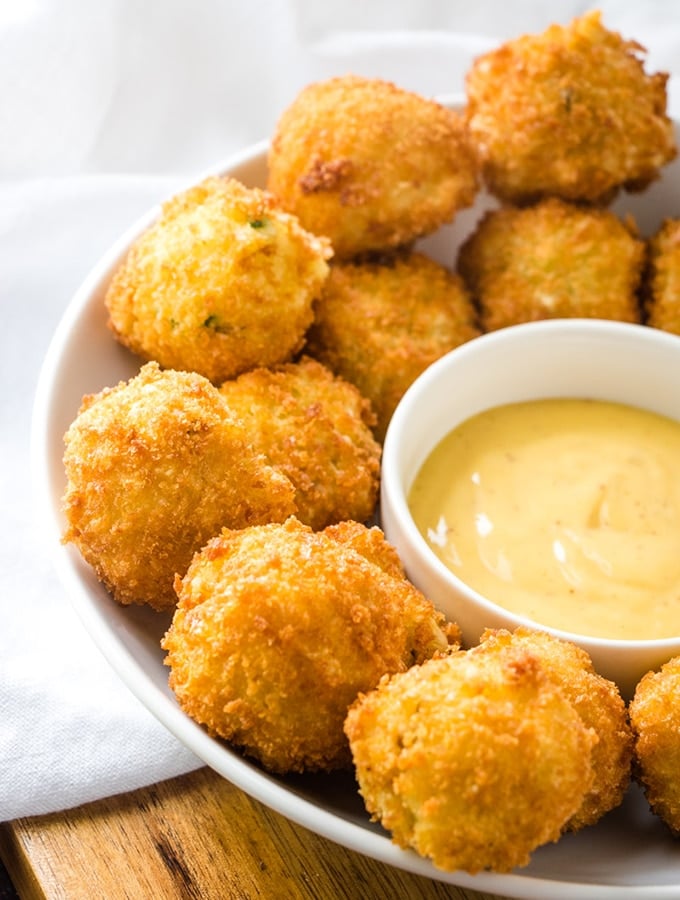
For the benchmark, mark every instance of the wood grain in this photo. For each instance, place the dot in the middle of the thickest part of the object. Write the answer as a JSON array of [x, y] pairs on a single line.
[[196, 836]]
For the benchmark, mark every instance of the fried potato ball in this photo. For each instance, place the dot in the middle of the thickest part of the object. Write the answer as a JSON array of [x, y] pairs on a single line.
[[569, 113], [655, 717], [379, 324], [552, 260], [316, 429], [223, 282], [277, 630], [662, 280], [472, 759], [600, 706], [370, 165], [155, 466]]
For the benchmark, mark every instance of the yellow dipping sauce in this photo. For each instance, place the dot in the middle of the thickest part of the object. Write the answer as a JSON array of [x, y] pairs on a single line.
[[566, 511]]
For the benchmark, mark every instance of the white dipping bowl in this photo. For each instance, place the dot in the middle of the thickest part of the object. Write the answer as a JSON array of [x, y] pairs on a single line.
[[602, 360]]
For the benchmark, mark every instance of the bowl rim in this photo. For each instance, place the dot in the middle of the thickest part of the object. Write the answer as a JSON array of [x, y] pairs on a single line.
[[394, 494]]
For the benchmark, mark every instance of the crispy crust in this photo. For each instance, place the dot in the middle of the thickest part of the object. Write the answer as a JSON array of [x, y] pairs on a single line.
[[568, 113], [370, 165], [380, 323], [655, 717], [223, 282], [662, 279], [552, 260], [155, 467], [600, 706], [473, 759], [315, 428], [277, 630]]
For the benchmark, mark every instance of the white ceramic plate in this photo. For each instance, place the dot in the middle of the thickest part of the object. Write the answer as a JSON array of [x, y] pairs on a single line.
[[629, 854]]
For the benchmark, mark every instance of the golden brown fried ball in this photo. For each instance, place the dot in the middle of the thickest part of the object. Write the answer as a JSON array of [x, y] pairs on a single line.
[[473, 759], [277, 630], [223, 282], [569, 113], [552, 260], [655, 717], [600, 706], [370, 165], [379, 324], [663, 278], [316, 429], [155, 467]]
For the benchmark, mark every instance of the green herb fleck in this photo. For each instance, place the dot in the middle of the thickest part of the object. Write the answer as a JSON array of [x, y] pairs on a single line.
[[216, 324], [257, 223]]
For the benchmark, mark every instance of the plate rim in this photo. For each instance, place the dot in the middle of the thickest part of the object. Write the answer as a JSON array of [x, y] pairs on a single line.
[[69, 566]]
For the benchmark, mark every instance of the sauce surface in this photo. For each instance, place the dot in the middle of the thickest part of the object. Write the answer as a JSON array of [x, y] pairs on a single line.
[[566, 511]]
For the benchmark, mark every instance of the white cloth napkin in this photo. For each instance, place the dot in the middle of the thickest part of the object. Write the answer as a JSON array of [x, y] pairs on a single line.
[[105, 109], [69, 730]]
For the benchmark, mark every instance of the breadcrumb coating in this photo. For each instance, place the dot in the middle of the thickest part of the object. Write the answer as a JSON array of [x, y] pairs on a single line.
[[599, 703], [569, 113], [474, 759], [552, 260], [315, 428], [369, 542], [379, 324], [277, 630], [222, 282], [155, 467], [662, 278], [655, 717], [370, 165]]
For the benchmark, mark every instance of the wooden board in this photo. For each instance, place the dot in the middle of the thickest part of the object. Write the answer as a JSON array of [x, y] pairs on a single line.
[[196, 836]]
